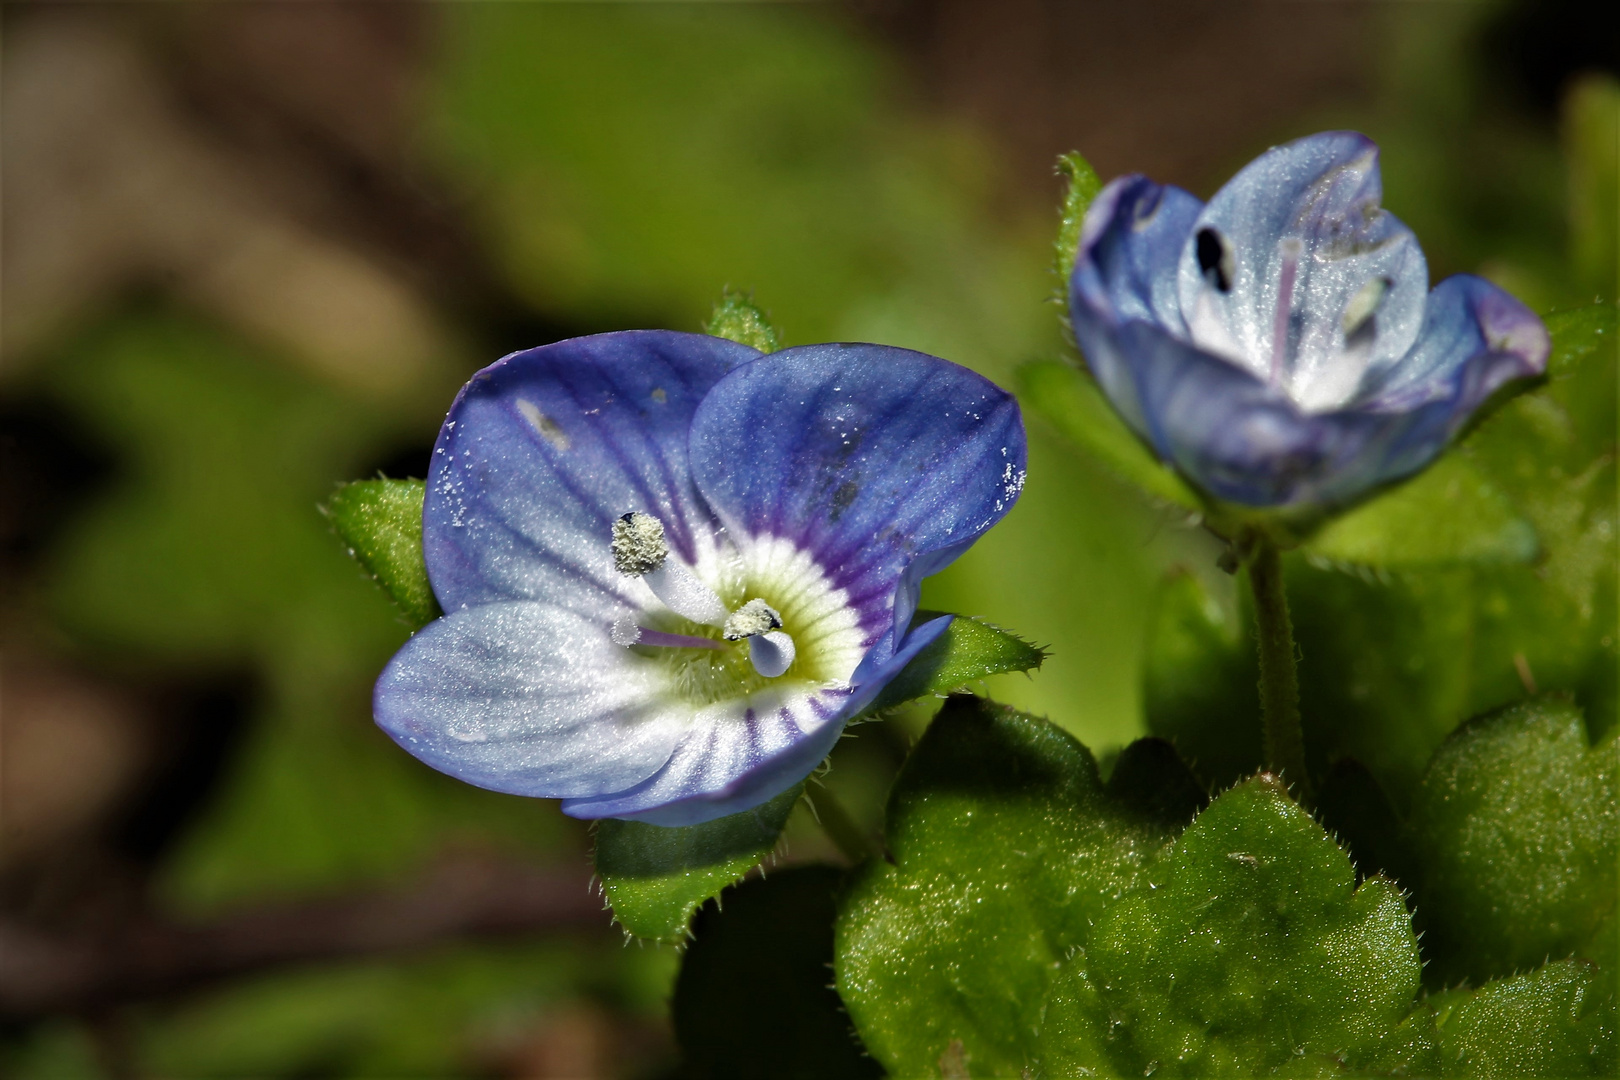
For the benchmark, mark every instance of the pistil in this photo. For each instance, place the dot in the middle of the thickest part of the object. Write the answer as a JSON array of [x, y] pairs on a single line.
[[1290, 249]]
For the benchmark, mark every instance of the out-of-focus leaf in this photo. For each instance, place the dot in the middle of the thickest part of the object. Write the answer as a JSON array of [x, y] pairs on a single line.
[[737, 318], [1447, 514], [752, 999], [1199, 680], [381, 522], [1080, 185], [655, 876], [1006, 847], [1591, 117], [1555, 1021], [968, 650], [1070, 400], [1517, 822]]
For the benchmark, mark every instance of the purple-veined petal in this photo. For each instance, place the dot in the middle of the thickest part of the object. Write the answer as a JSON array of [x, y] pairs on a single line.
[[740, 756], [1475, 337], [544, 448], [1323, 285], [865, 456], [532, 699]]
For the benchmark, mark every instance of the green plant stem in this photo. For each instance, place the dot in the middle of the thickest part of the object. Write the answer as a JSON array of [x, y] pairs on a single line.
[[842, 829], [1279, 673]]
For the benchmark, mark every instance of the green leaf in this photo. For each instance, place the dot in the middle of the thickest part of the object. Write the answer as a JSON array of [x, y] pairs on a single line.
[[1447, 514], [1081, 185], [737, 318], [1006, 847], [1250, 946], [1515, 824], [967, 651], [752, 998], [655, 877], [1070, 400], [1556, 1021], [1037, 922], [381, 522]]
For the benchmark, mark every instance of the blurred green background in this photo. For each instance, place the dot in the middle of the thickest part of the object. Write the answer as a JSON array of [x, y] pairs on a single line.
[[250, 251]]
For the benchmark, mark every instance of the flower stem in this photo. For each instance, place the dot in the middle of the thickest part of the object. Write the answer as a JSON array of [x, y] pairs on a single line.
[[1279, 674], [842, 829]]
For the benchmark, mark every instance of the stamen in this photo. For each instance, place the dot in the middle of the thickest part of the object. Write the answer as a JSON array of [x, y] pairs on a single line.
[[1290, 249], [639, 546], [754, 617], [772, 653], [640, 550], [1360, 314]]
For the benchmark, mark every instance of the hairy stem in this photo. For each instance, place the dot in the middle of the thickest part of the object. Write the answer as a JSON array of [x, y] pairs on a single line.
[[1279, 674]]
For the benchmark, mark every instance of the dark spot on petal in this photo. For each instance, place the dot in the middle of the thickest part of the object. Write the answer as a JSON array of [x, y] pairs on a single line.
[[843, 497], [1214, 260]]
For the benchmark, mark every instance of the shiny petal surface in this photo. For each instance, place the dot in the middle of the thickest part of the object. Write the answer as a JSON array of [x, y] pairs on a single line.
[[866, 456], [1312, 203], [737, 754], [532, 699], [543, 449]]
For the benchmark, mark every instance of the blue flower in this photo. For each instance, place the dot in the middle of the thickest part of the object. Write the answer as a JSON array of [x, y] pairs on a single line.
[[1280, 345], [674, 567]]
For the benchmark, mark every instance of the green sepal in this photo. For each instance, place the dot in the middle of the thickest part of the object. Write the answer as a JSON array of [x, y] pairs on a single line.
[[1080, 186], [655, 877], [968, 650], [1070, 400], [737, 318], [381, 522], [760, 956], [1516, 831]]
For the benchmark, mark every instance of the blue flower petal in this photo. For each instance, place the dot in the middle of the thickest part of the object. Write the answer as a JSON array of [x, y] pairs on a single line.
[[1125, 269], [544, 448], [1312, 260], [868, 457], [1475, 337], [531, 699], [1130, 251], [729, 766]]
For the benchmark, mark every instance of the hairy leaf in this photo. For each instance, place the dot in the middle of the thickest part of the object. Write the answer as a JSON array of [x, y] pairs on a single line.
[[1006, 847], [381, 522], [1556, 1021], [1518, 831], [1250, 946], [752, 999], [655, 877]]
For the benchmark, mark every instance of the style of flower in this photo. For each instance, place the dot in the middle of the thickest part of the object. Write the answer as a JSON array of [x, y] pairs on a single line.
[[673, 568], [1280, 346]]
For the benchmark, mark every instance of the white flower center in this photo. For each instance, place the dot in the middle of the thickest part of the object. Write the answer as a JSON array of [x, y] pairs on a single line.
[[795, 623]]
